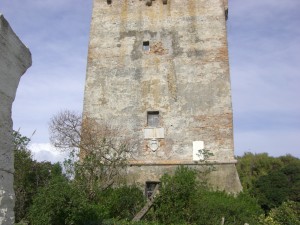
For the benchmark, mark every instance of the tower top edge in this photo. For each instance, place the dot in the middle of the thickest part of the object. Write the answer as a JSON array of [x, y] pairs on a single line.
[[165, 2]]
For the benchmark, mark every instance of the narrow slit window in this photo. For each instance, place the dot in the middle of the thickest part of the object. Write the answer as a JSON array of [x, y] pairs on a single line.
[[153, 119], [146, 46]]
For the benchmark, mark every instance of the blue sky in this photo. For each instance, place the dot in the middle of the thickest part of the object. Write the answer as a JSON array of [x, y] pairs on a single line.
[[264, 48]]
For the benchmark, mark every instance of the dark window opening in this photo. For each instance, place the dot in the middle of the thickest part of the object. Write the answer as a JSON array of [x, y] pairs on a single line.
[[109, 2], [149, 188], [149, 2], [146, 45], [165, 2], [153, 119]]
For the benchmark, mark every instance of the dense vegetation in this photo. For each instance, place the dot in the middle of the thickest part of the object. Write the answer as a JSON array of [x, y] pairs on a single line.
[[270, 180], [46, 196]]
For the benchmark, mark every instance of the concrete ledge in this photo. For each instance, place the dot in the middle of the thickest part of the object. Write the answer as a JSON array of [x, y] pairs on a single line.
[[178, 162]]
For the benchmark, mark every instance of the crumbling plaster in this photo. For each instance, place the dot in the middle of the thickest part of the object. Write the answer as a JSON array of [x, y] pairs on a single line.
[[15, 59], [185, 76]]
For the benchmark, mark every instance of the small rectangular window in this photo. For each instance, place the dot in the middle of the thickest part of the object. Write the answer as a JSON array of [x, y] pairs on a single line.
[[109, 2], [150, 186], [153, 119], [146, 46]]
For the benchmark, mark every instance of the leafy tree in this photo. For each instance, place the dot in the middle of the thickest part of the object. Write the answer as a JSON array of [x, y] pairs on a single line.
[[292, 172], [252, 166], [271, 190], [286, 214], [288, 159], [22, 181], [278, 186], [29, 175]]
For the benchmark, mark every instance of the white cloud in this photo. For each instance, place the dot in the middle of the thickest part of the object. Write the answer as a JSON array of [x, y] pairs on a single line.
[[46, 152]]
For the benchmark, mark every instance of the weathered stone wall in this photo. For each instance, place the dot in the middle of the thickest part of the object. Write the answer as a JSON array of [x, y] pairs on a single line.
[[15, 58], [184, 76], [222, 176]]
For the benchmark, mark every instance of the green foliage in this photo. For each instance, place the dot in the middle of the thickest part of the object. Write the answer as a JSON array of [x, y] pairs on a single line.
[[183, 200], [29, 175], [126, 222], [292, 173], [45, 196], [122, 202], [286, 214], [271, 180], [92, 174], [288, 159], [213, 205], [271, 190], [20, 142], [252, 166], [60, 203], [22, 178], [177, 194], [278, 186]]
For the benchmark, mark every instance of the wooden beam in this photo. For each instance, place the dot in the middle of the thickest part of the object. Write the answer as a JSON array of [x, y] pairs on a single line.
[[148, 205]]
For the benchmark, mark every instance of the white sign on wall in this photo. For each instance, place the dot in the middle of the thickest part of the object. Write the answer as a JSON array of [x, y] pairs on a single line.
[[197, 153], [150, 133]]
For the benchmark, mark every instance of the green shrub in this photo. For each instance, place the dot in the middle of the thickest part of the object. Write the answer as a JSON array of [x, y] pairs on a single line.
[[122, 202], [177, 196], [211, 206], [60, 203], [182, 200], [286, 214]]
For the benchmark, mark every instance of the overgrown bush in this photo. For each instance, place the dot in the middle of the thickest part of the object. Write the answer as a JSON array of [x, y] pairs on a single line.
[[122, 202], [286, 214], [182, 200], [60, 203], [177, 196], [63, 203], [213, 205]]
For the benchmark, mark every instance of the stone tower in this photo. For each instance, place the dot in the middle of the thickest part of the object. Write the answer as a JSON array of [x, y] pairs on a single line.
[[160, 69]]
